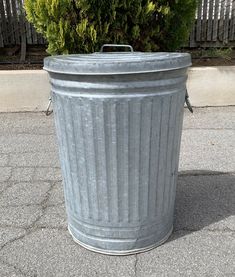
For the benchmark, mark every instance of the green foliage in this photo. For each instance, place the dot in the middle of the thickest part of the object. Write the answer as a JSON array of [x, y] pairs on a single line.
[[224, 53], [82, 26], [207, 53]]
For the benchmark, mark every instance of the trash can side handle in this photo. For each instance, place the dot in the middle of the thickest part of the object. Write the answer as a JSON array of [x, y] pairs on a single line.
[[189, 106], [117, 46]]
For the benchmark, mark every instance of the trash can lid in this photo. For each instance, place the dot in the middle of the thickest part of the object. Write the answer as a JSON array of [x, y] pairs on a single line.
[[112, 63]]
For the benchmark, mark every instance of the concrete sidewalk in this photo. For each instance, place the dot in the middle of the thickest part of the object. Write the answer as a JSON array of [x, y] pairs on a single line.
[[34, 240]]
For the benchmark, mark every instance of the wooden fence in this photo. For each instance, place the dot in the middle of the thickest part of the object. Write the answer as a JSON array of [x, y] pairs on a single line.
[[14, 28], [214, 25]]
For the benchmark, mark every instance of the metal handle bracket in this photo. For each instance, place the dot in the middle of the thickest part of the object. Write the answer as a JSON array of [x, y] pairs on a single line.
[[117, 46], [48, 111], [189, 106]]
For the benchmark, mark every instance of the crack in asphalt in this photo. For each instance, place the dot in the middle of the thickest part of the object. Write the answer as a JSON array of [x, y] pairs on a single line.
[[15, 182], [198, 173], [187, 229], [31, 166], [31, 205], [10, 184], [10, 174], [31, 134], [209, 129], [135, 265], [29, 229], [17, 269], [35, 228]]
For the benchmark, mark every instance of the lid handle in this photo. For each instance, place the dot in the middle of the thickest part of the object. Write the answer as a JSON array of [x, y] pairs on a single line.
[[117, 45]]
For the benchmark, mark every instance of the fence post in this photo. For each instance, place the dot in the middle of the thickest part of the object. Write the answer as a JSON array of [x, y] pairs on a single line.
[[22, 32]]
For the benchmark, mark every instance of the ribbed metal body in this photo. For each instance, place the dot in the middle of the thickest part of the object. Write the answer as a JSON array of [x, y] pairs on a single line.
[[119, 140]]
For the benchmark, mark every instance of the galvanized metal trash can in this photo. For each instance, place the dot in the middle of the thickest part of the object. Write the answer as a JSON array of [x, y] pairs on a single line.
[[119, 119]]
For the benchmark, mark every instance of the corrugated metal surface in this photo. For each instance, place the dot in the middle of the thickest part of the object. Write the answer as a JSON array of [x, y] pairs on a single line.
[[112, 63], [119, 139]]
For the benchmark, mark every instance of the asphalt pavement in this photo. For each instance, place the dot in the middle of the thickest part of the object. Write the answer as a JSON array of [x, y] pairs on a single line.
[[34, 240]]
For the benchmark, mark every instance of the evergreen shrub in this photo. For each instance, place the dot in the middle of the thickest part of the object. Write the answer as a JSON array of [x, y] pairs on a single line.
[[82, 26]]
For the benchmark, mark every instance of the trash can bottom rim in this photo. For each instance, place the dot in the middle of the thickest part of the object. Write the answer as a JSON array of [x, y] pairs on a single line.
[[124, 252]]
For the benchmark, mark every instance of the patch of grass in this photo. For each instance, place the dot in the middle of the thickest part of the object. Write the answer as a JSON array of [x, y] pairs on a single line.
[[224, 53]]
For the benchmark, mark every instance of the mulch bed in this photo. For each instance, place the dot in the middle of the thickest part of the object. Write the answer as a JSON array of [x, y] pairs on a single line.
[[213, 62], [20, 66]]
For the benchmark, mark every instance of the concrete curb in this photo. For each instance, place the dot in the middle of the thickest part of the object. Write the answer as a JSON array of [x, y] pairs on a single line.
[[23, 90], [28, 90], [212, 86]]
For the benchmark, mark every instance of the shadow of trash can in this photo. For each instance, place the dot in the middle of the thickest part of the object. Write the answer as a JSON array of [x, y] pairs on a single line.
[[118, 118]]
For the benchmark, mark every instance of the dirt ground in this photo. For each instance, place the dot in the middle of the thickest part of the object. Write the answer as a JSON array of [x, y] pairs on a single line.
[[212, 61], [10, 58]]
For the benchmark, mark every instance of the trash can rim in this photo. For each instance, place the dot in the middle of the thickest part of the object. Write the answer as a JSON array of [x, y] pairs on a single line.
[[115, 63]]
